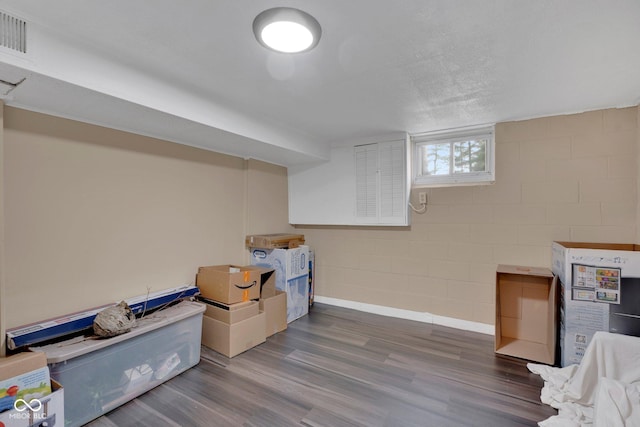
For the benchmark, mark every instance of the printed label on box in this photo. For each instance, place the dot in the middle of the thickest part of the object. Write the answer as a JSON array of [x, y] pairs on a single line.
[[18, 391], [598, 284]]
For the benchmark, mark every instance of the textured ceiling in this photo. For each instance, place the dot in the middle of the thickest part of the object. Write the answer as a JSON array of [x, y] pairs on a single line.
[[191, 71]]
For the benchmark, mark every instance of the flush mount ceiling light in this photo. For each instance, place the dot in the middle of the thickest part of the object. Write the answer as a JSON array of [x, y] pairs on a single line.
[[288, 30]]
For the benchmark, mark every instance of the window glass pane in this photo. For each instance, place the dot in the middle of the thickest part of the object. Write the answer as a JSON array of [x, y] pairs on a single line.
[[469, 156], [435, 159], [464, 157]]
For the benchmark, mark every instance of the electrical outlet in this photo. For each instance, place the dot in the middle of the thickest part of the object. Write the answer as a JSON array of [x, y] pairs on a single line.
[[422, 198]]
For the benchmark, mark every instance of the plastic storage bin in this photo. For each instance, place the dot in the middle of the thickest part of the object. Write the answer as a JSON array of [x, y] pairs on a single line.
[[100, 375]]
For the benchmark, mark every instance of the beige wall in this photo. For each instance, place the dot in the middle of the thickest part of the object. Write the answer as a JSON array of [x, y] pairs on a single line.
[[94, 215], [568, 177], [267, 199]]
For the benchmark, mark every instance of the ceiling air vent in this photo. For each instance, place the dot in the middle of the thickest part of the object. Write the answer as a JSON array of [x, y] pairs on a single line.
[[13, 33]]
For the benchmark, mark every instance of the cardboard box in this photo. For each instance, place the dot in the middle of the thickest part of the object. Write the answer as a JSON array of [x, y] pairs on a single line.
[[22, 377], [45, 411], [275, 309], [21, 363], [526, 313], [274, 241], [233, 339], [267, 282], [292, 275], [228, 283], [231, 313], [592, 298]]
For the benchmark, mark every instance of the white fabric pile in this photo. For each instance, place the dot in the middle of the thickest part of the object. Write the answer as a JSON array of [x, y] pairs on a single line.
[[603, 390]]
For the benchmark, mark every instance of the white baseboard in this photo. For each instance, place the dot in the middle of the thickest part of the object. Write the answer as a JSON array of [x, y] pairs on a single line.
[[424, 317]]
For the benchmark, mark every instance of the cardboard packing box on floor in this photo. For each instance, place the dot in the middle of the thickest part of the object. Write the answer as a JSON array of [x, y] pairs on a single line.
[[526, 313], [228, 283], [27, 394], [233, 339], [275, 309], [599, 291], [46, 411], [231, 313], [267, 282], [233, 329], [292, 275]]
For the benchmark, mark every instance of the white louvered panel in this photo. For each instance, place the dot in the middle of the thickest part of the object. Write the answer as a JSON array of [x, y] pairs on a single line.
[[392, 179], [13, 33], [347, 189], [366, 159]]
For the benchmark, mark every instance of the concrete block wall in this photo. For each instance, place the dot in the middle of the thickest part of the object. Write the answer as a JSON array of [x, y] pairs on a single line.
[[571, 178]]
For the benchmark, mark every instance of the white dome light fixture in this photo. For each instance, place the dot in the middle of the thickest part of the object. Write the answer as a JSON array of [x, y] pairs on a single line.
[[288, 30]]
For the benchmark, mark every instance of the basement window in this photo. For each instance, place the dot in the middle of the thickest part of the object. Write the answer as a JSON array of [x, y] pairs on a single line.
[[456, 157]]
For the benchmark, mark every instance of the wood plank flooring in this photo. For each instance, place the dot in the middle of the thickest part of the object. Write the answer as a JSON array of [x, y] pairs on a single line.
[[340, 367]]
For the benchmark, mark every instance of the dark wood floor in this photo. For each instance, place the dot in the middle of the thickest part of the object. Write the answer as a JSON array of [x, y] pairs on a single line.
[[340, 367]]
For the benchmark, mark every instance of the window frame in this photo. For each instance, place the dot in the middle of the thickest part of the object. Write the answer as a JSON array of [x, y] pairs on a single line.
[[451, 137]]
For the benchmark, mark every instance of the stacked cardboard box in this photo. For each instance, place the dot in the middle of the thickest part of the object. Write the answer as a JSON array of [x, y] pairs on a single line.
[[243, 307], [229, 284], [292, 275], [274, 241], [273, 302], [27, 394], [276, 250]]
